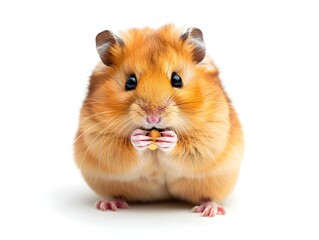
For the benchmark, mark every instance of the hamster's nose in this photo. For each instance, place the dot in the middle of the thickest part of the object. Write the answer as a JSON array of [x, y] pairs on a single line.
[[153, 119]]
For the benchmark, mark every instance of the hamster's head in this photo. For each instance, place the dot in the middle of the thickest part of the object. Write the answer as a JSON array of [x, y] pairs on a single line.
[[152, 79]]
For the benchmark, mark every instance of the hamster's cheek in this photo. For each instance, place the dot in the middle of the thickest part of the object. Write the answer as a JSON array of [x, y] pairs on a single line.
[[171, 116], [136, 115]]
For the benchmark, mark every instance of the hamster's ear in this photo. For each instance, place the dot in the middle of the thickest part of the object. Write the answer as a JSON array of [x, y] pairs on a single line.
[[195, 37], [104, 41]]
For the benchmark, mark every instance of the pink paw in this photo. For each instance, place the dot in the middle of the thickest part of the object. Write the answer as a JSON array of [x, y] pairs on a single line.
[[168, 140], [112, 204], [209, 209], [140, 140]]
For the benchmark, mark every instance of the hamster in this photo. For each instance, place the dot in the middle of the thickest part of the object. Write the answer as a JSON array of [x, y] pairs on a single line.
[[158, 79]]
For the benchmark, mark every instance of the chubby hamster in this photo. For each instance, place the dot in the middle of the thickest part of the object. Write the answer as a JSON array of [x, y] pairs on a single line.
[[158, 79]]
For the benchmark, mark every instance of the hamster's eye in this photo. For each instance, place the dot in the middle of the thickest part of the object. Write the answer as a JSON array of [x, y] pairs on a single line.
[[176, 80], [131, 83]]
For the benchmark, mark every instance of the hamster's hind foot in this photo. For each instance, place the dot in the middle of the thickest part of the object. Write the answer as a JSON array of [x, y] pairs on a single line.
[[209, 209], [111, 204]]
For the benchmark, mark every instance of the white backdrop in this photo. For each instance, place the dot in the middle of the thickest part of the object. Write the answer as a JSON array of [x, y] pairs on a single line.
[[268, 55]]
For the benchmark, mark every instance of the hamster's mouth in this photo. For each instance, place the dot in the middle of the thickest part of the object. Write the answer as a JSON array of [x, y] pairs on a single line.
[[158, 129], [158, 126]]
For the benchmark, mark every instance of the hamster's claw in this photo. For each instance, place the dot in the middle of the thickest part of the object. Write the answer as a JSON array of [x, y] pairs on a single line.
[[140, 140], [168, 140], [112, 204], [209, 209]]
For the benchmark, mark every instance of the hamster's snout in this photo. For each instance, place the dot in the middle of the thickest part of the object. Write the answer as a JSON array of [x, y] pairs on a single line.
[[153, 115], [153, 119]]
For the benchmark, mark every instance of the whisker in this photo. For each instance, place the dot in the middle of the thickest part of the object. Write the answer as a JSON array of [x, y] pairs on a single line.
[[173, 96], [119, 136], [105, 129], [105, 139], [93, 115], [89, 148], [86, 131], [113, 140]]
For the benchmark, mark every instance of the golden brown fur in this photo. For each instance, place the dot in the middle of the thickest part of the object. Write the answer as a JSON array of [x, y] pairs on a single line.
[[206, 159]]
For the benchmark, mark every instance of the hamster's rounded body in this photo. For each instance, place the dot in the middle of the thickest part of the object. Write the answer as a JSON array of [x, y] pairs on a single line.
[[158, 79]]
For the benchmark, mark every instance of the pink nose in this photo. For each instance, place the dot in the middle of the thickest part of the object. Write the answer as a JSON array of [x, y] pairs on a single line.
[[153, 119]]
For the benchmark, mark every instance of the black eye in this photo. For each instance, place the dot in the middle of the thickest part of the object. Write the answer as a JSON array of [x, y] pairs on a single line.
[[131, 83], [176, 80]]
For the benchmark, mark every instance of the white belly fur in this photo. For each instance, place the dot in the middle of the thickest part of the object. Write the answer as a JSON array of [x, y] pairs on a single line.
[[148, 177]]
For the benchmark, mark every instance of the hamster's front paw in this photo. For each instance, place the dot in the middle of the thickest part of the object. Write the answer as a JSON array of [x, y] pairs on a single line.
[[168, 140], [140, 140]]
